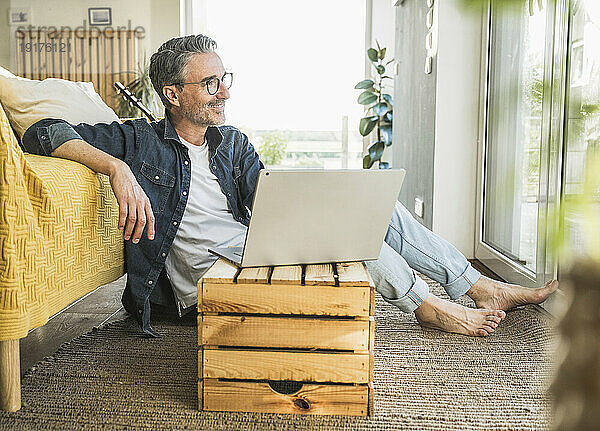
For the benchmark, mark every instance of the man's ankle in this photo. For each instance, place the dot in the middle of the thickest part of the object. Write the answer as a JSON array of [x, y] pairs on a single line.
[[477, 292]]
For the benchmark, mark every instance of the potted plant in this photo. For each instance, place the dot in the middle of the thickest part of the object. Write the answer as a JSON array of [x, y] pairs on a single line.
[[379, 109]]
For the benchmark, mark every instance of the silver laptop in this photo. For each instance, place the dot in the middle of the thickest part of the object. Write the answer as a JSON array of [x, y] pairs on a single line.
[[317, 216]]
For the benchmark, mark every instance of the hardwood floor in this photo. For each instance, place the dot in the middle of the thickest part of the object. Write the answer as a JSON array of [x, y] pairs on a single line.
[[485, 270], [100, 306]]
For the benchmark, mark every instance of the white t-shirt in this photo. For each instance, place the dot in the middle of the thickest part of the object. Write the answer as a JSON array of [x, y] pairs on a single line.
[[207, 222]]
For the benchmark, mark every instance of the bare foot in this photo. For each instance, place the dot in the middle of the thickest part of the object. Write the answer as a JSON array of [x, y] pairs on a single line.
[[438, 313], [488, 293]]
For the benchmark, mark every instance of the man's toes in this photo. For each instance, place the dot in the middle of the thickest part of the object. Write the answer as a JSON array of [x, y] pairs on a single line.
[[488, 328], [496, 313], [493, 318], [491, 323], [551, 286], [482, 332]]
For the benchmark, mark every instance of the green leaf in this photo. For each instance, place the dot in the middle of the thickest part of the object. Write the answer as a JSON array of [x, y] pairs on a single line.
[[380, 109], [376, 150], [386, 134], [382, 53], [387, 98], [367, 125], [366, 97], [389, 117], [380, 69], [367, 162], [367, 83], [372, 54]]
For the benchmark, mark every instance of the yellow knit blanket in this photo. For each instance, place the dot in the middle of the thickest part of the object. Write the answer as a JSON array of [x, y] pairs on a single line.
[[58, 235]]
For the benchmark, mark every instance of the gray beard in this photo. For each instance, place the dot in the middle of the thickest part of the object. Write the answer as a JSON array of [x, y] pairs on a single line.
[[196, 117]]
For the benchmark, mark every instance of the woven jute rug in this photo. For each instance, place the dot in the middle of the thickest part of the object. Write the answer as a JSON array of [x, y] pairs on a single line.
[[424, 380]]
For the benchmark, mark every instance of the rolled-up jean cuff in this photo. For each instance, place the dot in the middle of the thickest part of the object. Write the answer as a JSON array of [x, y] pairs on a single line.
[[463, 283], [413, 298], [58, 134]]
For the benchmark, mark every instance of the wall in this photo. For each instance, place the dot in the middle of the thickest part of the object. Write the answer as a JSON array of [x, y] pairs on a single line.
[[414, 109], [164, 22], [456, 124], [160, 19]]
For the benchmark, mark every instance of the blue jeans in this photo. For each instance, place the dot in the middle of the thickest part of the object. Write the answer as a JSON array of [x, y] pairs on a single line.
[[411, 246]]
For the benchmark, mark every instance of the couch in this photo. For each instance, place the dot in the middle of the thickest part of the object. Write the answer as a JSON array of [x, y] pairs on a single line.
[[58, 241]]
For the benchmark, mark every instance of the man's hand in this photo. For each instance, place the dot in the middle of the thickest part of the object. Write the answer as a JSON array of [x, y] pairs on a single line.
[[135, 210]]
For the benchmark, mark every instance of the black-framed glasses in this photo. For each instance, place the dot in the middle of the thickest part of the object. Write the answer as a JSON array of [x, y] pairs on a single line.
[[212, 83]]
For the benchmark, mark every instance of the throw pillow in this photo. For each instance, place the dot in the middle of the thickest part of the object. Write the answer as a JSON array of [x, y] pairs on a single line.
[[27, 101]]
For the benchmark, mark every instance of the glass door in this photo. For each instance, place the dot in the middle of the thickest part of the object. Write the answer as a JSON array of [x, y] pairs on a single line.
[[520, 140], [582, 124]]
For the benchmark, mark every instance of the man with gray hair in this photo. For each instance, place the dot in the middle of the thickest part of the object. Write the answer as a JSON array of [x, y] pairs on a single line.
[[186, 183]]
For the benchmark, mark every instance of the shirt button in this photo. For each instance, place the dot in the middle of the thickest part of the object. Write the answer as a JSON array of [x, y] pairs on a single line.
[[156, 177], [149, 281], [174, 223], [185, 163], [164, 254], [184, 193]]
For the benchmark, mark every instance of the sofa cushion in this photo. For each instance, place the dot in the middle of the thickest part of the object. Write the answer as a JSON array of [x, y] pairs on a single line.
[[27, 101]]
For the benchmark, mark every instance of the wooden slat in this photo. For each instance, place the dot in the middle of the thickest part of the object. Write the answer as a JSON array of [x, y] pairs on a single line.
[[86, 62], [71, 57], [254, 275], [371, 407], [35, 58], [53, 60], [122, 55], [352, 274], [43, 66], [95, 66], [104, 62], [371, 334], [78, 59], [319, 275], [278, 365], [20, 56], [371, 282], [257, 331], [220, 272], [372, 302], [112, 75], [312, 399], [287, 275], [201, 395], [283, 299], [63, 56]]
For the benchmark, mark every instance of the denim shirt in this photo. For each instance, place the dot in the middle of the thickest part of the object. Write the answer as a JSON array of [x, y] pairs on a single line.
[[161, 165]]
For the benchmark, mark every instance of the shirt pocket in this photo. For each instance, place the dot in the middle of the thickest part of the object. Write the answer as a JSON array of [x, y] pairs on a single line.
[[157, 184]]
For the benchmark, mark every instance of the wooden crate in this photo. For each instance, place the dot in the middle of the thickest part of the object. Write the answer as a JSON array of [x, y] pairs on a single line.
[[286, 339]]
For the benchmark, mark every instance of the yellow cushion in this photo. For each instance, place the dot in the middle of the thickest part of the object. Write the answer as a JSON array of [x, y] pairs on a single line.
[[58, 235]]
